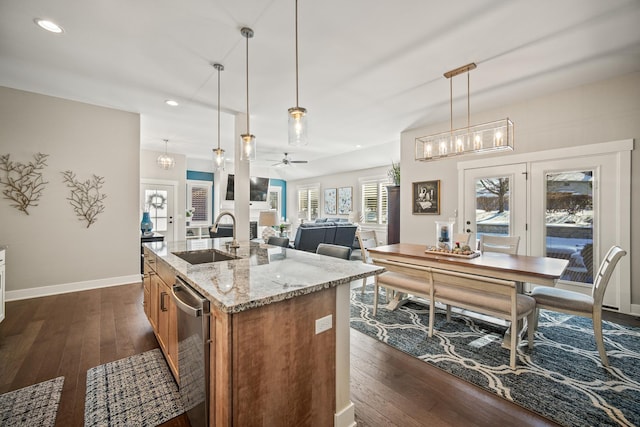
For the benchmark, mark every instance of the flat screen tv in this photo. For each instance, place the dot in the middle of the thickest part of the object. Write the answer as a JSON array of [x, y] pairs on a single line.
[[258, 189]]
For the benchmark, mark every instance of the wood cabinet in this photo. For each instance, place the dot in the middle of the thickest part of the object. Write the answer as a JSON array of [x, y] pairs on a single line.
[[393, 214], [263, 359], [160, 308]]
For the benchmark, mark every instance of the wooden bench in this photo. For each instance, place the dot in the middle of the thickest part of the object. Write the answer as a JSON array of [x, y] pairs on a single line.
[[494, 297], [486, 295], [408, 278]]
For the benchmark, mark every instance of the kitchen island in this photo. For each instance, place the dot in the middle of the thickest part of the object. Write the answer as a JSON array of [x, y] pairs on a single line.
[[279, 329]]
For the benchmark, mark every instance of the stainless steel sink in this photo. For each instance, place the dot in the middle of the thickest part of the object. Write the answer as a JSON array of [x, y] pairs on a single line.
[[203, 256]]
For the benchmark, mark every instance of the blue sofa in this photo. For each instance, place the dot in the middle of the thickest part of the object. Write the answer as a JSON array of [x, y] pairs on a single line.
[[311, 234]]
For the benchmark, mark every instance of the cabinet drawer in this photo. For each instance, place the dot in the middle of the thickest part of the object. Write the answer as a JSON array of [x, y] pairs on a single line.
[[149, 259], [165, 273]]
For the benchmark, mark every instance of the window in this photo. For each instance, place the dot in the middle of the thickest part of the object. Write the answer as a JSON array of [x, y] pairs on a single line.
[[569, 221], [374, 201], [308, 203], [199, 199]]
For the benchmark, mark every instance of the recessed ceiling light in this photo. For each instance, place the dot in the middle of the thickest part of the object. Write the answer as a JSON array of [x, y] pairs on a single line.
[[358, 146], [171, 102], [49, 25]]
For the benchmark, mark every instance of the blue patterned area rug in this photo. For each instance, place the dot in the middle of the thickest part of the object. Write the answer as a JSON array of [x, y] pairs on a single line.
[[561, 378], [35, 405], [135, 391]]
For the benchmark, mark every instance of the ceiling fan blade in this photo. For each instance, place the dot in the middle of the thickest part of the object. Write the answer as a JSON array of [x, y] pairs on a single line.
[[298, 161], [277, 164]]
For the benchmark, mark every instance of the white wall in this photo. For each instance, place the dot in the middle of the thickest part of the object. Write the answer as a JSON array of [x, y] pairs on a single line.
[[600, 112], [50, 250]]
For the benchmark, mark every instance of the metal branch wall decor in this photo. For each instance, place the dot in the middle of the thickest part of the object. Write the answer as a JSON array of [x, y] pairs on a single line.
[[23, 184], [86, 197]]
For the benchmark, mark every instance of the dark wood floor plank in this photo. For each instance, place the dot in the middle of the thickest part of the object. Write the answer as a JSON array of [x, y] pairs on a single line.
[[68, 334]]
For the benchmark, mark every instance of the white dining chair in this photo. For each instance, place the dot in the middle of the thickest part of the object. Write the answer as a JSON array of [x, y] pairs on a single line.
[[580, 304], [503, 244], [366, 239]]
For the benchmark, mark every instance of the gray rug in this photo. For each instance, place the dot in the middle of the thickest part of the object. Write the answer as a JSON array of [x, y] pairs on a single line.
[[136, 391], [36, 405], [561, 378]]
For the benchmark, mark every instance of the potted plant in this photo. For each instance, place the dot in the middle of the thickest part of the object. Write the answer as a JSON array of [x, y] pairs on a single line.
[[189, 214], [394, 173]]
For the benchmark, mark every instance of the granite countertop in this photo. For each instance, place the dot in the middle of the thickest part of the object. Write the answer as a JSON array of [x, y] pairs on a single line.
[[262, 274]]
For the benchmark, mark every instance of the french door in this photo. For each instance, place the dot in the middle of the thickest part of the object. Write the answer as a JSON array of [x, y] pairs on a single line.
[[574, 205], [496, 202], [573, 195], [159, 200]]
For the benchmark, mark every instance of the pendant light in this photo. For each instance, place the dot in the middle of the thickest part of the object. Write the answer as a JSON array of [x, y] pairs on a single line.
[[218, 159], [165, 161], [247, 141], [297, 114], [477, 139]]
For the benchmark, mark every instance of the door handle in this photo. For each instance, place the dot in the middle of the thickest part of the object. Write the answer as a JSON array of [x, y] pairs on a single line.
[[162, 305], [170, 220]]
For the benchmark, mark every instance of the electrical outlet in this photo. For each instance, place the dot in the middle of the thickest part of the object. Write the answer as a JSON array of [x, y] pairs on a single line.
[[324, 324]]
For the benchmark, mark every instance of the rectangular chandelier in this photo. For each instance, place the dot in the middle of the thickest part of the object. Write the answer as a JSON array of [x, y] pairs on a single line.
[[486, 137], [492, 136]]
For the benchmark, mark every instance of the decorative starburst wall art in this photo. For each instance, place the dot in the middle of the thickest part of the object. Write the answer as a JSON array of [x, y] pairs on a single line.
[[86, 198], [23, 183]]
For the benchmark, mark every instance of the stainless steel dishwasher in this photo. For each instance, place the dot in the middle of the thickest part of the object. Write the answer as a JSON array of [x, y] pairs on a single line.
[[193, 351]]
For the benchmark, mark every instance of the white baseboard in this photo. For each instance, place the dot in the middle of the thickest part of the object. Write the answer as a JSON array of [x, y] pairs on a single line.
[[635, 309], [346, 417], [71, 287]]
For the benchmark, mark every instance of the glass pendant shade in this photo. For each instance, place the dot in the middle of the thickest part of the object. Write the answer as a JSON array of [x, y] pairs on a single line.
[[166, 162], [218, 159], [298, 126], [247, 147], [247, 140]]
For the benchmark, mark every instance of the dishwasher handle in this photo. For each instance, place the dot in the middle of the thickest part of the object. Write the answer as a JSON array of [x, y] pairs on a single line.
[[181, 288]]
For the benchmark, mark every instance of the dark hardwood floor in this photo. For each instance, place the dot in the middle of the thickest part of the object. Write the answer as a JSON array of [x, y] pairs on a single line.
[[65, 335]]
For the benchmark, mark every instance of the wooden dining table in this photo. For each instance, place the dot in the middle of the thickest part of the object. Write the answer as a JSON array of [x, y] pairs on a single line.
[[518, 268]]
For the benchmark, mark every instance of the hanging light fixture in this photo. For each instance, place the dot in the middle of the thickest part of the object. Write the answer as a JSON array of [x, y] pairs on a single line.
[[218, 159], [486, 137], [297, 114], [165, 161], [247, 141]]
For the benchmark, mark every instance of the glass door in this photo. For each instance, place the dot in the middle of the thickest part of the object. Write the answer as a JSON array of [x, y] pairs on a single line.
[[158, 199], [495, 202], [570, 198], [569, 221]]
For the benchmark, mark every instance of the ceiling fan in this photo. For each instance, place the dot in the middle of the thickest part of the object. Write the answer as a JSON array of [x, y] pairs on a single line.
[[286, 161]]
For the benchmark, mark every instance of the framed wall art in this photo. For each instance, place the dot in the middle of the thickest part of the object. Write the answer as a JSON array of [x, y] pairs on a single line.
[[426, 198], [330, 201], [344, 200]]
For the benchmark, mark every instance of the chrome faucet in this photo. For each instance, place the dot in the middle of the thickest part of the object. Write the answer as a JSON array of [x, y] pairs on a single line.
[[234, 242]]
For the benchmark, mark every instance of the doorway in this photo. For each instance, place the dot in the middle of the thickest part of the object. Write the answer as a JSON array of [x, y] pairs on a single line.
[[159, 200], [576, 206]]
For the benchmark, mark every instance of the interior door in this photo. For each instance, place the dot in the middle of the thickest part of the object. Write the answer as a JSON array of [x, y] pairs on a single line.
[[495, 202], [159, 200]]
